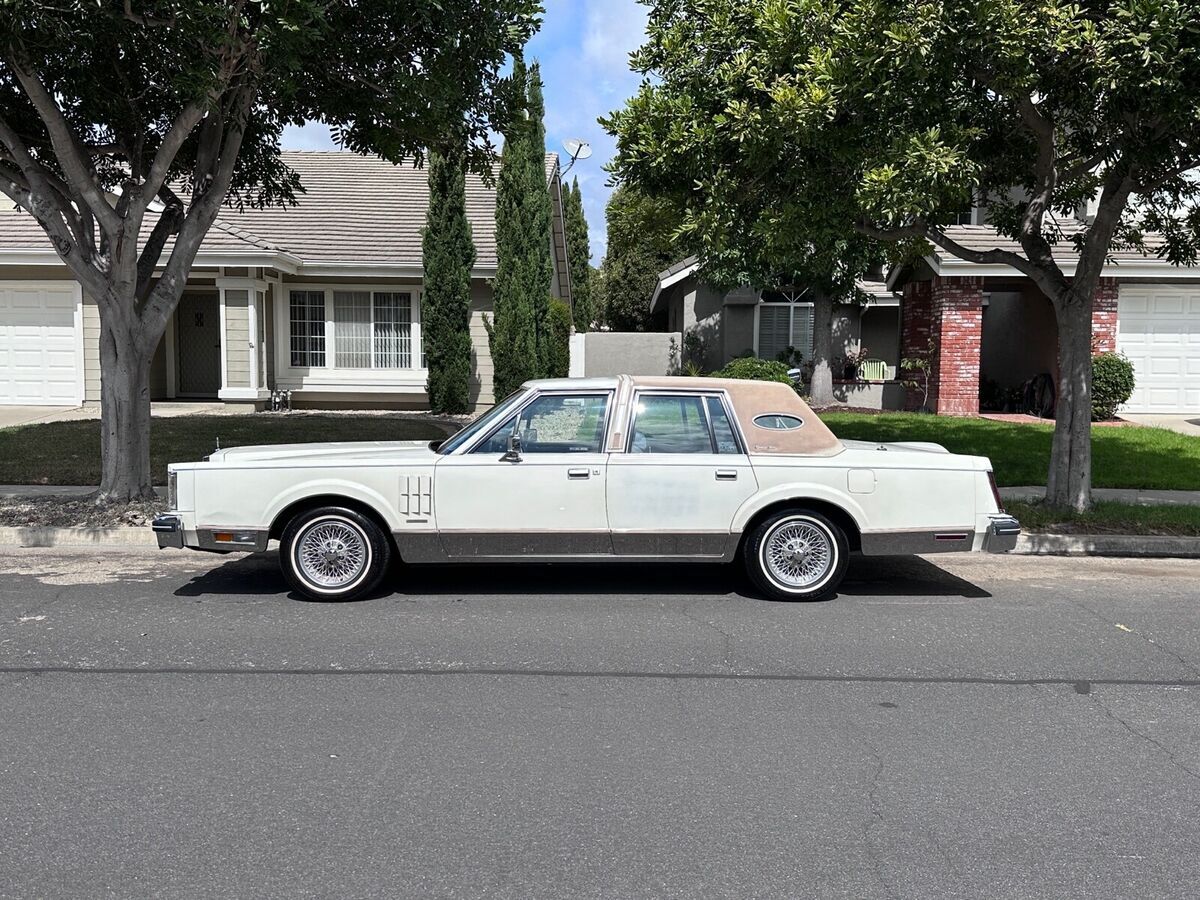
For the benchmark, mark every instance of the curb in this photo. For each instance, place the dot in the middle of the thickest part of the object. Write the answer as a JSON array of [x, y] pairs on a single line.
[[123, 536], [1128, 545]]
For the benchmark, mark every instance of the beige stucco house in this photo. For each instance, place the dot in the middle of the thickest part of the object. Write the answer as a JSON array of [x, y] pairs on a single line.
[[322, 299]]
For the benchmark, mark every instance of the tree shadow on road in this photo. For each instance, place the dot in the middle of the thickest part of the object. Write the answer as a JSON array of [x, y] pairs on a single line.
[[259, 575]]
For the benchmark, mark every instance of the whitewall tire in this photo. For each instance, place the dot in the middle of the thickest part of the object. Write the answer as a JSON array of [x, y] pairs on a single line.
[[797, 554], [333, 553]]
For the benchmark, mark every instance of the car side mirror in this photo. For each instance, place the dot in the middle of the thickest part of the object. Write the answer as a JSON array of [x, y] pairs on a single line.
[[513, 454]]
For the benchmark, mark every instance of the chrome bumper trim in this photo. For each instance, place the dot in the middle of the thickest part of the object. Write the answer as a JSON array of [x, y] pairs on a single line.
[[169, 531], [1002, 534]]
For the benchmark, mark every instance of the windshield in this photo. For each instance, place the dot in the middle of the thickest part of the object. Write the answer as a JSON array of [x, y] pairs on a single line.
[[484, 422]]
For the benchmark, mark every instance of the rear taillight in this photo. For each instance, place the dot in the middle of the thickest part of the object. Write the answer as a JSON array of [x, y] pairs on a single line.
[[995, 491]]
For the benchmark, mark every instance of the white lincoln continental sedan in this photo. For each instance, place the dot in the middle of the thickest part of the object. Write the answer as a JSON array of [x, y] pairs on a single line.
[[595, 469]]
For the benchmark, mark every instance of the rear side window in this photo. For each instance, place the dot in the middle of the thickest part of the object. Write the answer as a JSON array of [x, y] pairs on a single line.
[[778, 422], [681, 423], [665, 424], [727, 441]]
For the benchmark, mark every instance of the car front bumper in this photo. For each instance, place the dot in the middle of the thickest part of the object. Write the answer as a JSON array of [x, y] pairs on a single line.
[[169, 531], [1001, 535]]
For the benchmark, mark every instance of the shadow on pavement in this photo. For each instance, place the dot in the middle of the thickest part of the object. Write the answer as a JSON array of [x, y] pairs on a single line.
[[888, 576]]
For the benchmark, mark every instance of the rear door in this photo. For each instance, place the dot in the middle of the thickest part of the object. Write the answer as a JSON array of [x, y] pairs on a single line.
[[683, 475]]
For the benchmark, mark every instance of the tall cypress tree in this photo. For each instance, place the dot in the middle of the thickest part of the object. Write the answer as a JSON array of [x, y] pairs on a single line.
[[541, 224], [579, 256], [446, 314], [512, 334]]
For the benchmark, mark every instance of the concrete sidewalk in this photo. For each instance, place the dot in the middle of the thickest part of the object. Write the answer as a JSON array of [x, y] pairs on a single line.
[[1119, 495], [1143, 498]]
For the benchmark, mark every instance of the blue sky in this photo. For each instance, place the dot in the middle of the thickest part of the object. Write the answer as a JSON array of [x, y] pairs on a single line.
[[584, 50]]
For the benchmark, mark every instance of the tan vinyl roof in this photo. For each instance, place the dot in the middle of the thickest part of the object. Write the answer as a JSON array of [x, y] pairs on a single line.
[[355, 209], [752, 399]]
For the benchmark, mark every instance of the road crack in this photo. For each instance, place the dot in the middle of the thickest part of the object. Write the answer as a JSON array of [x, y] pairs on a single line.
[[1161, 747]]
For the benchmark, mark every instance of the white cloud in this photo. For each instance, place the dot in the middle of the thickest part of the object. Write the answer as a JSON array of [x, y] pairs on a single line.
[[614, 28], [309, 136]]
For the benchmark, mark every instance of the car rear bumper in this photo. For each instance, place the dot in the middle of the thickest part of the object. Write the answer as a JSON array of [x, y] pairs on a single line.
[[1001, 535]]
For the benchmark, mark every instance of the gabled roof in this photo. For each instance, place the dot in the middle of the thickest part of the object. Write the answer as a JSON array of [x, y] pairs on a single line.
[[356, 211], [1121, 263]]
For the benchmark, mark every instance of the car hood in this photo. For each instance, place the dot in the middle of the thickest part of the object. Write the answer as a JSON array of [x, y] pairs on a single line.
[[338, 452]]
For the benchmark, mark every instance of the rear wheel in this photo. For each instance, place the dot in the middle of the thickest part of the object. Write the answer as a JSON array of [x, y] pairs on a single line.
[[797, 554], [333, 553]]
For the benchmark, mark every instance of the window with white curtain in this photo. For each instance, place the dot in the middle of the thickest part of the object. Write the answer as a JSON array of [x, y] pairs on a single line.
[[368, 329], [783, 325]]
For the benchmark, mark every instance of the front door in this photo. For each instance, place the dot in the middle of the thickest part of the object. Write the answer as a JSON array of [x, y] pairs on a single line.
[[548, 503], [198, 330], [682, 477]]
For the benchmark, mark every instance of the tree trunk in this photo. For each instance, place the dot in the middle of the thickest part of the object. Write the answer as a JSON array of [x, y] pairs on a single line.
[[124, 413], [821, 390], [1069, 482]]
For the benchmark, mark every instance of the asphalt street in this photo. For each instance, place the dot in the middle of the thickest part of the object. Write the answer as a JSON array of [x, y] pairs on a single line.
[[176, 724]]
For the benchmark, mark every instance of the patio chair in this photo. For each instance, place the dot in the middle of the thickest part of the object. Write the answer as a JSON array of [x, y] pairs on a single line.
[[872, 370]]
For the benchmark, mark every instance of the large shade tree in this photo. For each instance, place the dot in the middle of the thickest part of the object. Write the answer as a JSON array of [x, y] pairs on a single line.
[[641, 244], [126, 125], [797, 121]]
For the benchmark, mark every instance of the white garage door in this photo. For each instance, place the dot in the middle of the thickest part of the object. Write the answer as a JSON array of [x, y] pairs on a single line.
[[39, 345], [1159, 330]]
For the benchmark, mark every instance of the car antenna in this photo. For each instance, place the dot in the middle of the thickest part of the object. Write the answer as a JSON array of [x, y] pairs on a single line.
[[218, 443]]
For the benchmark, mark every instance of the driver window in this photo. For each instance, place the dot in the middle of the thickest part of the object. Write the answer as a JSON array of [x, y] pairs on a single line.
[[555, 423]]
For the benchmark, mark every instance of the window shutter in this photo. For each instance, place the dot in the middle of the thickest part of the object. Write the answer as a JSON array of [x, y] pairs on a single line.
[[773, 329], [802, 330]]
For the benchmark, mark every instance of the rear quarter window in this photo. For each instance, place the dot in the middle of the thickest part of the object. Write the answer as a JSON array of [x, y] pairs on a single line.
[[778, 422]]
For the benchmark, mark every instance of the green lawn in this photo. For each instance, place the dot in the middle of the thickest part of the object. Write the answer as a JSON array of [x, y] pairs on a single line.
[[69, 452], [1122, 457], [1108, 518]]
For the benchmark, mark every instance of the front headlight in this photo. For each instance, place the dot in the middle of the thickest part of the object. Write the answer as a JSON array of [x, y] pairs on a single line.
[[172, 490]]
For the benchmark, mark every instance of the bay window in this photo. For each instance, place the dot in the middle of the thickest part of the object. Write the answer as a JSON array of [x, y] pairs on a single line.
[[355, 328]]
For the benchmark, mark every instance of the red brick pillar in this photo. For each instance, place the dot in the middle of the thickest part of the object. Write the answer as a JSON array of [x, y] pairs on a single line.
[[957, 327], [916, 326], [1104, 316]]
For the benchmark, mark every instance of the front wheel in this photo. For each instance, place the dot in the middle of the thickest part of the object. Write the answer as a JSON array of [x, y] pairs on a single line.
[[333, 553], [797, 554]]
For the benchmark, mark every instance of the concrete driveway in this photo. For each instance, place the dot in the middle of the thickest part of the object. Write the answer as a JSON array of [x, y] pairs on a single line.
[[11, 416], [1188, 423]]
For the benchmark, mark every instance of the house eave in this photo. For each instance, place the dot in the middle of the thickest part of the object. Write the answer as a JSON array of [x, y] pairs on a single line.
[[280, 261], [666, 280], [952, 266]]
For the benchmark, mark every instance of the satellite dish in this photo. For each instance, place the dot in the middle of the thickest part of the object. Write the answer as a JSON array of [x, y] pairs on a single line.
[[578, 150]]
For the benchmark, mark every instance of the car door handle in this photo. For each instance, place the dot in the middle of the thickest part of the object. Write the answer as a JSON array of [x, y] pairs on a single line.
[[726, 474], [578, 473]]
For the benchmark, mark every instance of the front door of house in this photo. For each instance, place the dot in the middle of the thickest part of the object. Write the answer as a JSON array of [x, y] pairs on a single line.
[[198, 329]]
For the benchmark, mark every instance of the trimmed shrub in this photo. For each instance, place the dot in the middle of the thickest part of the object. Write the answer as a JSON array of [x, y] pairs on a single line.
[[559, 348], [1112, 384], [754, 369]]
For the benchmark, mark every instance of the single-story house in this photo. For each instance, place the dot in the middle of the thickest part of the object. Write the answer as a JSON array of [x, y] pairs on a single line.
[[994, 330], [724, 325], [322, 299]]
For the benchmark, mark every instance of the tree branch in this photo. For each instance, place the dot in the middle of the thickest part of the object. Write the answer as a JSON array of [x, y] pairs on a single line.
[[68, 149], [144, 20]]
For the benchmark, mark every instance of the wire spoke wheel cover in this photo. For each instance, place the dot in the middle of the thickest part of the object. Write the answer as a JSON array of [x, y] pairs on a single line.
[[798, 554], [332, 553]]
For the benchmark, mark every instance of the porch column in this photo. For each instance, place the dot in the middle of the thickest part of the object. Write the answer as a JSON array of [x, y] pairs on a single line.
[[1104, 316], [958, 326], [242, 337]]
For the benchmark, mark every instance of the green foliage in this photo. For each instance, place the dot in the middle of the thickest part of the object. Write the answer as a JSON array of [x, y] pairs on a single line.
[[519, 332], [640, 245], [1112, 384], [753, 369], [560, 339], [916, 371], [579, 253], [449, 254]]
